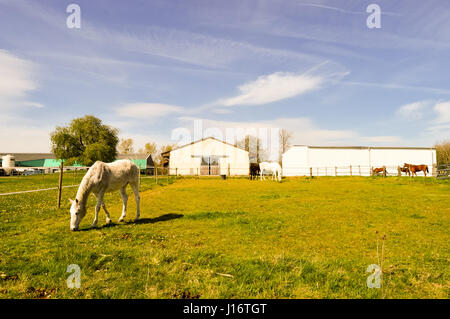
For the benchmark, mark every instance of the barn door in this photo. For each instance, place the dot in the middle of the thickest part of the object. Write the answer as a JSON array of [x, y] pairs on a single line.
[[209, 165]]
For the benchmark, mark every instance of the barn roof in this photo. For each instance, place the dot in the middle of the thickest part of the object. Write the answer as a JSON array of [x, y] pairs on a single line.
[[19, 157], [133, 156]]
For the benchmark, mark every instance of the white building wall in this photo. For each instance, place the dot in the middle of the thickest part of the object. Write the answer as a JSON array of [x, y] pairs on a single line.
[[186, 160], [299, 160]]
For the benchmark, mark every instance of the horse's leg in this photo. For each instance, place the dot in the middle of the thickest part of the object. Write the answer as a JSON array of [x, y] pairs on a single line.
[[424, 172], [108, 218], [137, 198], [123, 193], [97, 209]]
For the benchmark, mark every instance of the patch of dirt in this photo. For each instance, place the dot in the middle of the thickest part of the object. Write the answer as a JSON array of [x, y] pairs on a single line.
[[185, 295], [125, 236], [5, 277], [41, 293]]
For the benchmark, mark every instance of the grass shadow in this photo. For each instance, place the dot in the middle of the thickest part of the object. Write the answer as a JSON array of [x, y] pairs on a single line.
[[161, 218]]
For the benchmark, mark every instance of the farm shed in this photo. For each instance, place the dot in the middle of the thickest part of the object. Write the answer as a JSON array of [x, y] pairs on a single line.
[[208, 156], [41, 160], [48, 160], [303, 160], [142, 161]]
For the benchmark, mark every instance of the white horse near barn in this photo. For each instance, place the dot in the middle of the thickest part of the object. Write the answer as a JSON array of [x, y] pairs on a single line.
[[273, 168], [100, 179]]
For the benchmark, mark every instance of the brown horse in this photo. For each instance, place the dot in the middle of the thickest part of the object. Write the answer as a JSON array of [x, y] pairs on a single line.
[[405, 170], [416, 168], [379, 170]]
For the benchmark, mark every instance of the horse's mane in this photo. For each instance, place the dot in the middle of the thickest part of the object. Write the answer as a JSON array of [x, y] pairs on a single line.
[[93, 176]]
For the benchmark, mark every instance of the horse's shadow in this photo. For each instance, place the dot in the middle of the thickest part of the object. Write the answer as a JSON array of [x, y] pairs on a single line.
[[158, 219], [161, 218]]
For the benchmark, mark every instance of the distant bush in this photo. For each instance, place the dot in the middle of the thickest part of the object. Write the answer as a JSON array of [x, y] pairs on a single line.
[[443, 152]]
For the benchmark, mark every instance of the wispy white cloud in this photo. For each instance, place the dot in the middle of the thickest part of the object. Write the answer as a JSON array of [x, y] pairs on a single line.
[[148, 110], [413, 111], [443, 112], [304, 131], [16, 76], [17, 80], [274, 87], [398, 86]]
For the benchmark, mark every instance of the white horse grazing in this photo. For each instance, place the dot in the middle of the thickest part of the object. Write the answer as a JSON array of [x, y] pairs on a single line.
[[270, 168], [102, 178]]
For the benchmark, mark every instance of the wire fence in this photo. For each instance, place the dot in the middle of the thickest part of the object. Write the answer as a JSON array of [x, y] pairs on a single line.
[[353, 170], [155, 174], [350, 170]]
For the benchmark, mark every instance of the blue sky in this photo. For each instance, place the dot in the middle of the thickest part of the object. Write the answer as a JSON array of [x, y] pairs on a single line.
[[148, 67]]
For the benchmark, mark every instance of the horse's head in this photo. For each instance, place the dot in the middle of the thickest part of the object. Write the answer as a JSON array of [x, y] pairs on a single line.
[[77, 212]]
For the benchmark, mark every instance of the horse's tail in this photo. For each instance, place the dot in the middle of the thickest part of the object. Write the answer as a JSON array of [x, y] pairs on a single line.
[[426, 168]]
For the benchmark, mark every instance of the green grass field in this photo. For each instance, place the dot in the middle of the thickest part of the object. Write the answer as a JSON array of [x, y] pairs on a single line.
[[235, 238]]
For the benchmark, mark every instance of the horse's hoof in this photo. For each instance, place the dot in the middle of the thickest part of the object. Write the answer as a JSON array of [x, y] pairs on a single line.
[[108, 221], [94, 226], [136, 219], [120, 220]]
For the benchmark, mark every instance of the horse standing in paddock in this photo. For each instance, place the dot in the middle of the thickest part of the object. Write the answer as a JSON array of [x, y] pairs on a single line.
[[379, 170], [405, 170], [254, 170], [100, 179], [270, 168], [416, 168]]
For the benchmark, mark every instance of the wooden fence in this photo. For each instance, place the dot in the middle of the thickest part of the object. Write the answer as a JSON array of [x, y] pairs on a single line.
[[443, 171]]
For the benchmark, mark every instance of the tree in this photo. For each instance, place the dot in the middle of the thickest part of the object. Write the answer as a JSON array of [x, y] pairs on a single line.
[[149, 149], [443, 152], [285, 141], [126, 146], [85, 141], [253, 146]]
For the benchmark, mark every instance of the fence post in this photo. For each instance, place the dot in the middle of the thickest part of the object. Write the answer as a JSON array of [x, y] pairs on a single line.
[[310, 172], [61, 167], [335, 171], [326, 171], [139, 172], [176, 171], [384, 171], [399, 171], [359, 169], [350, 170], [434, 170], [229, 171], [371, 170]]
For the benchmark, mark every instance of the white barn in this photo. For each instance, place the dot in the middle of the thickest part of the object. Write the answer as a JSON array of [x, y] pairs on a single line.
[[209, 156], [303, 160]]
